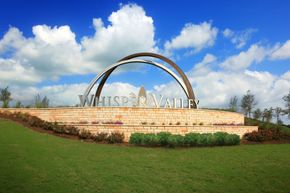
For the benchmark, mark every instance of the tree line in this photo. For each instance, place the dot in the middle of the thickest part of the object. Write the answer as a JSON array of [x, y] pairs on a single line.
[[5, 97], [249, 102]]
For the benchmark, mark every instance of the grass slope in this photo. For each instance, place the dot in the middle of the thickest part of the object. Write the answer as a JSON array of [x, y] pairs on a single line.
[[36, 162]]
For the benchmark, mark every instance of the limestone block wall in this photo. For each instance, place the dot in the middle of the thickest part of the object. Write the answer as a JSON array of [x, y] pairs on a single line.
[[147, 120], [137, 116]]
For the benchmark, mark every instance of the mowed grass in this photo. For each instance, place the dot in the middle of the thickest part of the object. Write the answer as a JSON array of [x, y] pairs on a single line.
[[36, 162]]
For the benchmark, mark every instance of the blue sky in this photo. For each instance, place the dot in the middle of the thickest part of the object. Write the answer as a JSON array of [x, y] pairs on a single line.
[[48, 47]]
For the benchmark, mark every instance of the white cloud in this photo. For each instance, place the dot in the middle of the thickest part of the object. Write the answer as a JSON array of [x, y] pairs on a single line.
[[228, 33], [239, 38], [214, 88], [193, 36], [130, 31], [11, 71], [67, 94], [53, 51], [12, 39], [282, 52], [255, 54]]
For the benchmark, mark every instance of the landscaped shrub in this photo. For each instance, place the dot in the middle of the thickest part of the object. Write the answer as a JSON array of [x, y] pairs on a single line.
[[34, 121], [47, 126], [136, 138], [115, 137], [150, 139], [175, 140], [263, 135], [85, 134], [210, 139], [163, 138], [264, 125], [58, 128], [220, 138], [71, 130], [232, 139], [101, 137], [191, 139]]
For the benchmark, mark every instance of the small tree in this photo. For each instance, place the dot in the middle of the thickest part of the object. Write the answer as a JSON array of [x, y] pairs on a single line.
[[248, 102], [286, 99], [277, 114], [267, 114], [257, 114], [5, 97], [18, 104], [41, 103], [233, 105]]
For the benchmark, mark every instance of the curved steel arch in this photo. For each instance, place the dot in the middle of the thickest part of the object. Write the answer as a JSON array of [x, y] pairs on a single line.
[[148, 54], [113, 66]]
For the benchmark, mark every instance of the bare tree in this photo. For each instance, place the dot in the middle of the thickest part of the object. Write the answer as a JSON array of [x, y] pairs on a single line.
[[233, 105], [5, 97], [248, 103]]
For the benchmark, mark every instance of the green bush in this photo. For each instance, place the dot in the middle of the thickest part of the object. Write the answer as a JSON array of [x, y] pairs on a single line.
[[163, 138], [220, 138], [210, 139], [150, 139], [189, 140], [175, 140], [136, 138], [232, 139]]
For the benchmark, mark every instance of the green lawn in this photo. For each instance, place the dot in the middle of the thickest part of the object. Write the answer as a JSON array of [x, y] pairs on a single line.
[[36, 162]]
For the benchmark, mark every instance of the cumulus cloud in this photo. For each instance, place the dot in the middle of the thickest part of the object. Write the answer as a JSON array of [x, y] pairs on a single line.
[[239, 38], [255, 54], [282, 52], [130, 31], [53, 51], [215, 87], [67, 94], [193, 36]]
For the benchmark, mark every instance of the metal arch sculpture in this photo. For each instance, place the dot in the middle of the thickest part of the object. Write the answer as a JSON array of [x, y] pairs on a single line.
[[158, 56], [181, 83], [184, 83]]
